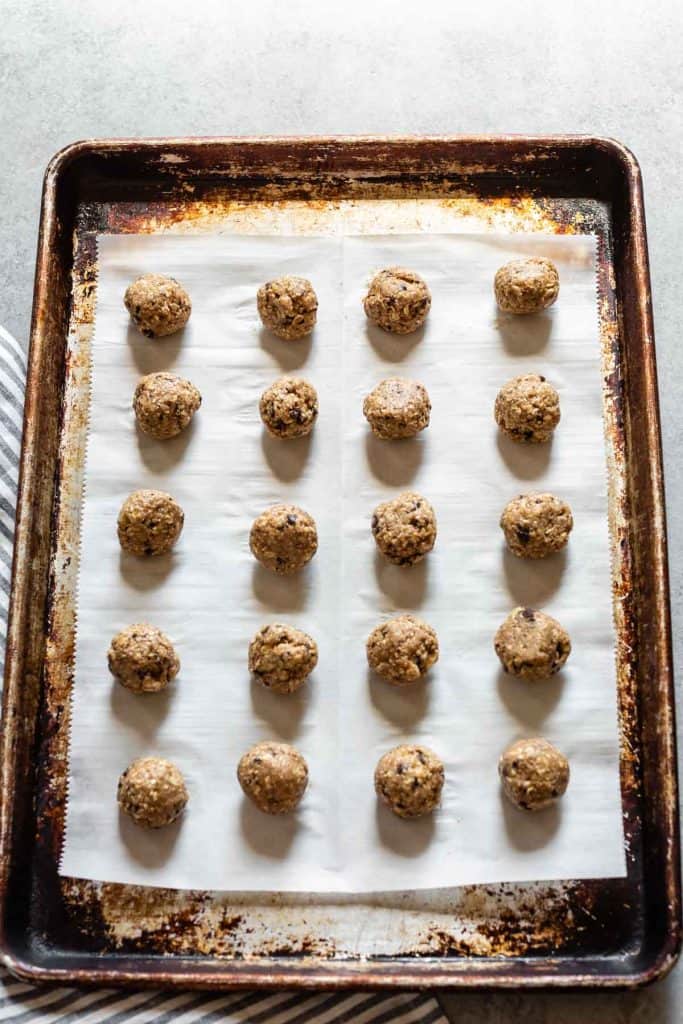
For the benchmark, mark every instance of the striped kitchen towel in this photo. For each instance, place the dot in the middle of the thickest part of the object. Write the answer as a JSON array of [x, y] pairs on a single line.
[[28, 1004]]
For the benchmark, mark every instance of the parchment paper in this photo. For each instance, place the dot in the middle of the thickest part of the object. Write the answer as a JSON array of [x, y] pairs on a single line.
[[210, 596]]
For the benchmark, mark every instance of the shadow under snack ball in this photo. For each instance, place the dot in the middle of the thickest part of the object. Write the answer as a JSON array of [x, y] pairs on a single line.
[[143, 658], [409, 780], [158, 305], [288, 306], [164, 404], [152, 792], [282, 657], [534, 774], [404, 528], [402, 650], [398, 300], [149, 523], [284, 539], [527, 285], [536, 525], [531, 644], [273, 776]]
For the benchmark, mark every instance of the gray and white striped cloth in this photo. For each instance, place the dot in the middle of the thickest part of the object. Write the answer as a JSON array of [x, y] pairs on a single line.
[[28, 1004]]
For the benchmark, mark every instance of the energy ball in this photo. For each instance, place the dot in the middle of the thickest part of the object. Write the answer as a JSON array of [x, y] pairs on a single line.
[[528, 408], [531, 644], [527, 286], [536, 525], [397, 408], [404, 528], [152, 791], [164, 404], [142, 658], [282, 657], [398, 300], [288, 306], [284, 538], [158, 305], [149, 523], [274, 776], [403, 649], [409, 780], [289, 407], [534, 774]]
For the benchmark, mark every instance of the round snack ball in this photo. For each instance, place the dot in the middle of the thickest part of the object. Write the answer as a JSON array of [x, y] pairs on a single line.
[[164, 404], [274, 776], [288, 306], [403, 649], [158, 305], [152, 791], [149, 523], [536, 525], [534, 774], [398, 300], [528, 408], [531, 644], [527, 285], [404, 528], [284, 538], [142, 658], [397, 408], [282, 657], [409, 780], [289, 407]]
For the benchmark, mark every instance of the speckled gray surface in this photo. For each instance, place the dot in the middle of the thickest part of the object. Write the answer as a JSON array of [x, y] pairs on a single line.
[[76, 68]]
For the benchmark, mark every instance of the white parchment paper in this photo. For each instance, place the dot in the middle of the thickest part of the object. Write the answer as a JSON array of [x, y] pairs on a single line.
[[210, 596]]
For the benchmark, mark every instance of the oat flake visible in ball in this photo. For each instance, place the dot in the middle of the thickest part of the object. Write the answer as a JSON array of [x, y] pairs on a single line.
[[531, 644], [158, 305], [409, 780], [149, 523], [282, 657], [527, 285], [536, 525], [164, 404], [143, 658], [528, 408], [398, 300], [274, 776], [403, 649], [534, 774], [404, 528], [288, 306], [289, 407], [152, 792], [284, 538], [397, 408]]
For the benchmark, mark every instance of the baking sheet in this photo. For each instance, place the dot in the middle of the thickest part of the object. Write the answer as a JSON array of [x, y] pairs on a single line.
[[210, 597]]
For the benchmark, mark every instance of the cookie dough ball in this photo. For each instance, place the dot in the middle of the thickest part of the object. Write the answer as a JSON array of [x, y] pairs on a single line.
[[289, 407], [534, 774], [158, 305], [274, 776], [288, 306], [142, 658], [409, 780], [284, 538], [152, 791], [282, 657], [398, 300], [531, 644], [403, 649], [528, 408], [527, 286], [404, 528], [149, 523], [164, 404], [397, 408], [536, 525]]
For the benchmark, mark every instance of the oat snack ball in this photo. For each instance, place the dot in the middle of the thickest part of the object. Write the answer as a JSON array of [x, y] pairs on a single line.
[[288, 306], [284, 538], [404, 528], [397, 408], [536, 525], [398, 300], [158, 305], [274, 776], [152, 792], [531, 644], [164, 404], [409, 780], [534, 774], [143, 658], [289, 407], [282, 657], [527, 285], [402, 650], [149, 523], [528, 409]]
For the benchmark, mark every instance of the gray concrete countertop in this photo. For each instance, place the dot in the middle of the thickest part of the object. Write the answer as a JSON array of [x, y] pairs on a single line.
[[72, 69]]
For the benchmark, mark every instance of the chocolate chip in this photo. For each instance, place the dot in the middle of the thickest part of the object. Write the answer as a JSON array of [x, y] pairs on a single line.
[[523, 534], [291, 519], [529, 614]]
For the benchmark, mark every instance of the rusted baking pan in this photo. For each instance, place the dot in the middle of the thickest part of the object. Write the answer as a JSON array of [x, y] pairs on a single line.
[[619, 932]]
